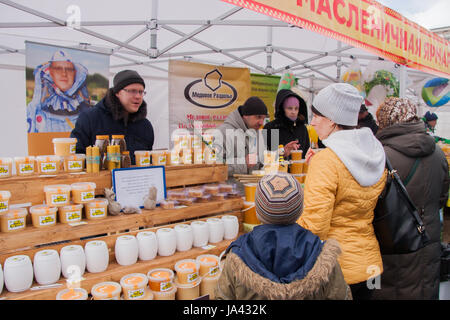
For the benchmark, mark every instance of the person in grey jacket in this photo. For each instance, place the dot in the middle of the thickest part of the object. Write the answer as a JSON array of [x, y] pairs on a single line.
[[404, 138], [242, 143]]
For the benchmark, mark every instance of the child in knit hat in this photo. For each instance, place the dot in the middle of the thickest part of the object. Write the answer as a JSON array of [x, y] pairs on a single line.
[[279, 259]]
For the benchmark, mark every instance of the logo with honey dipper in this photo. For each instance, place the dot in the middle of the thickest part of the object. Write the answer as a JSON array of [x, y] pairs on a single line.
[[3, 170], [3, 206], [97, 212], [137, 294], [14, 224], [59, 199], [48, 219], [73, 216], [26, 168]]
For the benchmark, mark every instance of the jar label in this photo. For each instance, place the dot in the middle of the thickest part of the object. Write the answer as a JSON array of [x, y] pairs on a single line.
[[162, 159], [48, 167], [192, 277], [3, 206], [75, 165], [213, 271], [73, 148], [4, 171], [144, 161], [165, 286], [73, 216], [97, 212], [136, 294], [25, 168], [46, 220], [87, 195], [59, 199], [15, 224]]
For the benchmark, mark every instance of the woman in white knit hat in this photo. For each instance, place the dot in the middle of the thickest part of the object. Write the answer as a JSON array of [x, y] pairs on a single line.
[[343, 184]]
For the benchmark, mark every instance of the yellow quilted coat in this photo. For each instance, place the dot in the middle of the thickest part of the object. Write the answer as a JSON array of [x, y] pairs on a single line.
[[337, 207]]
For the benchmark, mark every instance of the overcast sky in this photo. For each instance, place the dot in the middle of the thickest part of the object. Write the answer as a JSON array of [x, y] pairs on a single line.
[[427, 13]]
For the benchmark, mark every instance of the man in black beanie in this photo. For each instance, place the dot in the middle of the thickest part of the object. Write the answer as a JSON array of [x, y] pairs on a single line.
[[242, 137], [122, 111]]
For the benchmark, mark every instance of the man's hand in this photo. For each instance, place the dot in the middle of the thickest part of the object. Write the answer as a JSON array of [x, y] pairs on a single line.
[[309, 154], [293, 145]]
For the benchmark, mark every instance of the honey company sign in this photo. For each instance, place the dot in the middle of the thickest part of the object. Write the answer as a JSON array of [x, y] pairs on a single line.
[[204, 93]]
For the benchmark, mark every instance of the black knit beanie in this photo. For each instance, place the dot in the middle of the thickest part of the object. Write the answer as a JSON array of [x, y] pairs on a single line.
[[253, 106], [125, 78]]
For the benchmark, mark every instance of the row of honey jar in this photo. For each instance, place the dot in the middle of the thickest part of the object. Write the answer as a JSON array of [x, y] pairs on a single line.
[[193, 277], [43, 165]]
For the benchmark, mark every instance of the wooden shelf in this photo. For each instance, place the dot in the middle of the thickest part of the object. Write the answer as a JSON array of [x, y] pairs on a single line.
[[10, 242], [31, 189], [115, 271]]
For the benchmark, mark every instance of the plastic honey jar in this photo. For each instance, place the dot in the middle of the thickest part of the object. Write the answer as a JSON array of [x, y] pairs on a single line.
[[57, 195], [72, 294], [158, 157], [83, 192], [175, 157], [96, 209], [160, 280], [134, 286], [75, 162], [108, 290], [297, 166], [250, 213], [209, 265], [187, 271], [48, 164], [70, 213], [187, 291], [43, 215], [5, 167], [64, 146], [165, 295], [249, 190], [296, 154], [208, 286], [13, 220], [25, 166], [4, 200], [142, 158]]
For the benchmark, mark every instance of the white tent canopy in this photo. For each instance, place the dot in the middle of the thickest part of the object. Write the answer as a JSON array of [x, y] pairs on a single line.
[[146, 35]]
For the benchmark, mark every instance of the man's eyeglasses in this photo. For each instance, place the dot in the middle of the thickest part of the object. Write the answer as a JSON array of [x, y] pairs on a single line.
[[61, 69], [135, 92]]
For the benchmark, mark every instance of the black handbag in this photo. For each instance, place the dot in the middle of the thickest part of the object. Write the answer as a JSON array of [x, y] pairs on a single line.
[[397, 223]]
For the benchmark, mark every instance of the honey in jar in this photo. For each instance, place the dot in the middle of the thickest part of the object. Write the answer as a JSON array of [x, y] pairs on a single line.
[[187, 271], [43, 216], [83, 192], [70, 213], [13, 220], [134, 286], [57, 195], [25, 166], [4, 200], [5, 167], [158, 157], [64, 146], [108, 290], [96, 209], [142, 158], [74, 163], [48, 164]]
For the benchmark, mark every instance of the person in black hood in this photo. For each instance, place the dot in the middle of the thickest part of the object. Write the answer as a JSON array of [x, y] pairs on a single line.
[[291, 115], [365, 119], [122, 111]]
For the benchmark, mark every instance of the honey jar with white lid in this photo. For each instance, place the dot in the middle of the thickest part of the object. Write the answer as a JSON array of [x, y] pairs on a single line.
[[96, 209], [75, 163], [72, 294], [50, 164], [43, 216], [134, 286], [57, 195], [83, 192], [13, 220], [70, 213], [108, 290], [5, 195], [5, 167], [25, 166], [64, 146]]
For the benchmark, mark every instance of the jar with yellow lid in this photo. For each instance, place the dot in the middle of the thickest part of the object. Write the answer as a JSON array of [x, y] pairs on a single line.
[[96, 209], [48, 164], [75, 163], [83, 192], [25, 166], [43, 216], [108, 290], [64, 146], [70, 213], [5, 167], [13, 220], [102, 142], [119, 139], [57, 194], [72, 294], [4, 200]]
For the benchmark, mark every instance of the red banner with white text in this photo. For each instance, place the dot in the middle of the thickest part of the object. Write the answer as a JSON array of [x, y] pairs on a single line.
[[364, 24]]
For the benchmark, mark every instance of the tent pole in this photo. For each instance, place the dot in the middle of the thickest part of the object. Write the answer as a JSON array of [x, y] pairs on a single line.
[[153, 51], [338, 62], [269, 49], [402, 80]]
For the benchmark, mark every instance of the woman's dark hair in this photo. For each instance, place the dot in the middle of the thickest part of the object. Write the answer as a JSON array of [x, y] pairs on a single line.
[[340, 126]]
